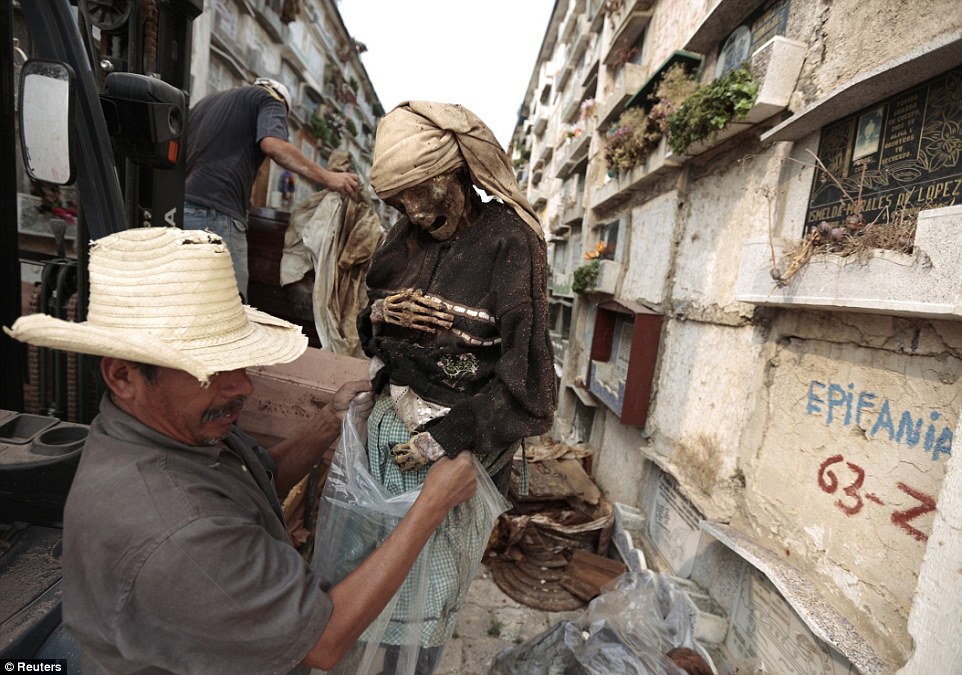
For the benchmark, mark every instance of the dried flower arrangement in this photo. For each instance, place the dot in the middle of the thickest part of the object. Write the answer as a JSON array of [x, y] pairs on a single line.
[[636, 132], [854, 237]]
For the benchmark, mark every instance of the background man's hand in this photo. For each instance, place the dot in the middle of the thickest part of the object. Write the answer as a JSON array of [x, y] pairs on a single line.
[[344, 182]]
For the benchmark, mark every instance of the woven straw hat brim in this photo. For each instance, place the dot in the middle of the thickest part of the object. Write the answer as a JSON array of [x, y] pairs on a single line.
[[269, 341], [167, 297]]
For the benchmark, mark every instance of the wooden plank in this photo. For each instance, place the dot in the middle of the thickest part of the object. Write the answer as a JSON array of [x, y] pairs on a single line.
[[588, 572]]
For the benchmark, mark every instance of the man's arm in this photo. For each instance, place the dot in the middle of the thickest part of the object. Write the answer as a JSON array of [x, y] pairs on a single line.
[[359, 598], [288, 156], [296, 455]]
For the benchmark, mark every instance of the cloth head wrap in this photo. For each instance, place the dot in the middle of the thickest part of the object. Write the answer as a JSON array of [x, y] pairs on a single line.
[[418, 140]]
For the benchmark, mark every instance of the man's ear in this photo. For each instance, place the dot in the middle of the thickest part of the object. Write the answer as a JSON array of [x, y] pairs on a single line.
[[122, 378]]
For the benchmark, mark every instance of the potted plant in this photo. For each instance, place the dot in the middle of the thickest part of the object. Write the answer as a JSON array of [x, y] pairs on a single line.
[[710, 108], [585, 278]]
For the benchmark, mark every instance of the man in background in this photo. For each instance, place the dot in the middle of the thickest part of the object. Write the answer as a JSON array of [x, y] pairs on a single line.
[[228, 136]]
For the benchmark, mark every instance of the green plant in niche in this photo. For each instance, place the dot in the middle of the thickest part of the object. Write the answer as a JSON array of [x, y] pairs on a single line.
[[351, 127], [710, 108], [524, 154], [585, 277], [327, 128], [319, 128], [637, 132]]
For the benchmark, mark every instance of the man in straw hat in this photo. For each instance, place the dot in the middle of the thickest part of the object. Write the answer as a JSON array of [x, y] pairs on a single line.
[[229, 135], [457, 323], [176, 557]]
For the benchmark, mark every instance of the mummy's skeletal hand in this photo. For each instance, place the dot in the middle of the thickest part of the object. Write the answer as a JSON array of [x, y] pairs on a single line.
[[417, 452], [411, 308]]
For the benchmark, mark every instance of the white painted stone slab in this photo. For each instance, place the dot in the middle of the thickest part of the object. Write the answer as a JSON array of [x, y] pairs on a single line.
[[673, 526], [925, 284], [781, 624]]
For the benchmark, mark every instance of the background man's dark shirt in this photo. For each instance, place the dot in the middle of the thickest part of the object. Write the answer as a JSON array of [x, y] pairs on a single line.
[[223, 152]]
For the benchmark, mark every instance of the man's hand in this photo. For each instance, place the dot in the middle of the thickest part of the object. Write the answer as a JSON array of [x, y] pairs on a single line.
[[411, 308], [358, 391], [291, 158], [344, 182], [450, 481]]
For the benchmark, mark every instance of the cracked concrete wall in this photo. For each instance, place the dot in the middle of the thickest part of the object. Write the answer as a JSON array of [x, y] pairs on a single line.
[[824, 435], [724, 205], [859, 413], [652, 225], [702, 406], [849, 38]]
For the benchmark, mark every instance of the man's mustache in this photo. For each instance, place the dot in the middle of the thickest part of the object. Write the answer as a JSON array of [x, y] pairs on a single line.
[[225, 410]]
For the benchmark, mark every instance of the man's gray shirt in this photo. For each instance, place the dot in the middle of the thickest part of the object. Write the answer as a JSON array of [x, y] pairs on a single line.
[[177, 558]]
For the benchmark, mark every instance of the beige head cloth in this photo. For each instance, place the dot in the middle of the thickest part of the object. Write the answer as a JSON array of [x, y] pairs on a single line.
[[422, 139], [166, 296]]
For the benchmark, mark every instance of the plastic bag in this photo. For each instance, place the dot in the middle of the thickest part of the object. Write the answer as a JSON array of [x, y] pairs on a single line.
[[356, 514], [628, 629]]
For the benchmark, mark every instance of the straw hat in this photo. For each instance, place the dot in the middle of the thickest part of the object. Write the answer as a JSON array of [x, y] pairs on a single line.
[[166, 296]]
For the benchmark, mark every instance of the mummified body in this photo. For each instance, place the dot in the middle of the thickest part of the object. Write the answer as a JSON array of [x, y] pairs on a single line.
[[456, 325], [459, 315]]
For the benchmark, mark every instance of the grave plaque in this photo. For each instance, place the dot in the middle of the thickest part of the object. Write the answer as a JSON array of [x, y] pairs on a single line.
[[897, 157], [765, 627], [608, 378], [673, 526], [770, 20]]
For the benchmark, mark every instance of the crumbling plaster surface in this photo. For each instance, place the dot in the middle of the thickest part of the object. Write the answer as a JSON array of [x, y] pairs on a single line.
[[617, 464], [706, 390], [851, 37], [652, 232], [722, 208], [670, 21], [859, 413]]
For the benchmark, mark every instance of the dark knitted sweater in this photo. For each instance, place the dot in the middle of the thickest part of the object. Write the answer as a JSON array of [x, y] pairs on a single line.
[[498, 394]]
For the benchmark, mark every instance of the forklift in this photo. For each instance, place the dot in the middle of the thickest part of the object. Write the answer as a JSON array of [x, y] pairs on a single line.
[[94, 96]]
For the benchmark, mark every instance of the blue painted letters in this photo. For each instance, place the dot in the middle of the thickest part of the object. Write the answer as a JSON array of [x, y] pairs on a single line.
[[839, 404]]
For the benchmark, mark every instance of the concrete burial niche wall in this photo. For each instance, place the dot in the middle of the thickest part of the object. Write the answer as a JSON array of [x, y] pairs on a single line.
[[288, 395], [855, 448]]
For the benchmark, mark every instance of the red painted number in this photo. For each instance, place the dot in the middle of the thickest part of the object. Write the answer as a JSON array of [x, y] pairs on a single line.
[[829, 483], [902, 518]]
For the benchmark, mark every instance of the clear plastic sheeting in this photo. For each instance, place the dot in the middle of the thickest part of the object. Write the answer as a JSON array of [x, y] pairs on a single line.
[[628, 629], [356, 514]]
